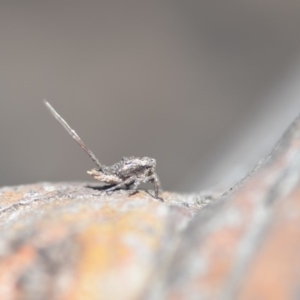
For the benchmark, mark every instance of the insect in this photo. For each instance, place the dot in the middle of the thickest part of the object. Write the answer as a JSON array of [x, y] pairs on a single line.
[[128, 174]]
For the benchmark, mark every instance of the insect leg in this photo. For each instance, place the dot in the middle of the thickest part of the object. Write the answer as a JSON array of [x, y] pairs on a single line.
[[127, 181], [157, 187], [135, 185]]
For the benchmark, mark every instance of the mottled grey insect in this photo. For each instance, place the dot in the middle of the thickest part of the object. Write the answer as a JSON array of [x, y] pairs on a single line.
[[128, 174]]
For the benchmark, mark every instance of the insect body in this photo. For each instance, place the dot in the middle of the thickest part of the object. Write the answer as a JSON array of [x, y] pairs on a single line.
[[129, 173]]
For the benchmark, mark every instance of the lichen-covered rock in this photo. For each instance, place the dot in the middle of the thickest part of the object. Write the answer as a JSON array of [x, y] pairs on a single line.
[[72, 241], [247, 244]]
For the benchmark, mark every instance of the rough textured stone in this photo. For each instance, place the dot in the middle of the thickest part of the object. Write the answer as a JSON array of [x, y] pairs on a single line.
[[246, 245], [72, 241]]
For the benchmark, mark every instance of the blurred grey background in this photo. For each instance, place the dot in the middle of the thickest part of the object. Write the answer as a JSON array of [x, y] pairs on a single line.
[[205, 87]]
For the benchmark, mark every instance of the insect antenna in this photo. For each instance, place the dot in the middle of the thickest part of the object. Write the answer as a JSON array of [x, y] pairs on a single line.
[[73, 134]]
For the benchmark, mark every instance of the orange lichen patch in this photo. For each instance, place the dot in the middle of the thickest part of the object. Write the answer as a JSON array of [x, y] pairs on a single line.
[[115, 259], [10, 197], [218, 253], [48, 236], [11, 268], [274, 271], [219, 249]]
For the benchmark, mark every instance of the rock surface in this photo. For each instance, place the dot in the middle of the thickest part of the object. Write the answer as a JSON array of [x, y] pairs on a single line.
[[72, 241]]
